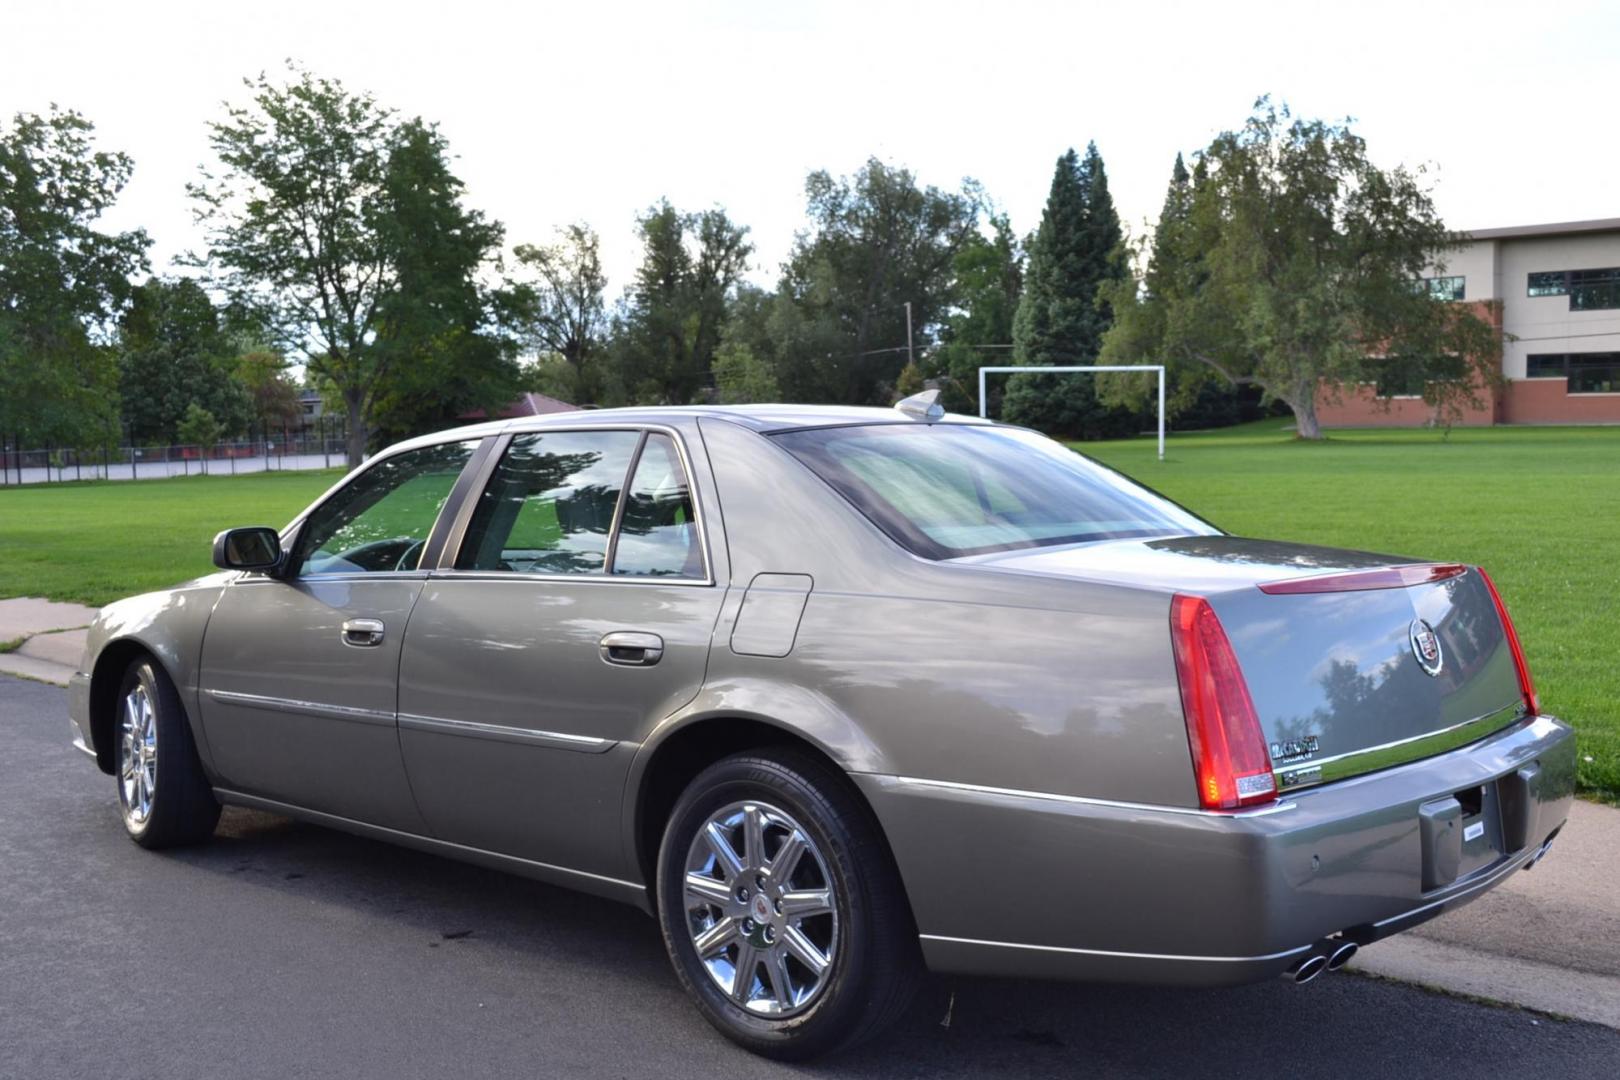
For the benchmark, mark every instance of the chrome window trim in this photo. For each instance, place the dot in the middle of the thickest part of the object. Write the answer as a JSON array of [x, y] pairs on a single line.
[[458, 531], [1119, 955], [304, 708], [438, 725], [1084, 800]]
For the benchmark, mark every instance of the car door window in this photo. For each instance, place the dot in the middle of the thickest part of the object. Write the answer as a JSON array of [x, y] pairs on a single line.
[[657, 533], [381, 519], [549, 506]]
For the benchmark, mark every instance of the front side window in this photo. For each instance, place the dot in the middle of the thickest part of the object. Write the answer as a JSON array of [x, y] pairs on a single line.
[[947, 490], [380, 520], [549, 507]]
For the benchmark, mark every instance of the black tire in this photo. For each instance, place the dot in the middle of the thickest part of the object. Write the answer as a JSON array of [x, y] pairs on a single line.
[[181, 808], [876, 963]]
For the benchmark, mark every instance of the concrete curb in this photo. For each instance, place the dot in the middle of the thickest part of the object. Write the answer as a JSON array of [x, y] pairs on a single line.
[[1511, 980]]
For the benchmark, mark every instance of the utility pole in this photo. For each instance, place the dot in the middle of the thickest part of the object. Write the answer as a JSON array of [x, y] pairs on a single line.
[[910, 359]]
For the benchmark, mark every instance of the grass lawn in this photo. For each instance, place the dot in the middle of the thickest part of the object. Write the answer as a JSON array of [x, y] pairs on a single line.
[[1537, 507], [95, 541]]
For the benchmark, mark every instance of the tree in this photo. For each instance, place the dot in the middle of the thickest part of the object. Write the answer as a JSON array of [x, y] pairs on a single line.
[[561, 309], [1063, 313], [876, 242], [272, 394], [676, 309], [437, 334], [977, 331], [62, 281], [173, 353], [1298, 259], [199, 428], [743, 378], [294, 221]]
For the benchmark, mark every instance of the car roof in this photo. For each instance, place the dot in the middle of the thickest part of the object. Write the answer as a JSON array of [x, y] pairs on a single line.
[[765, 419]]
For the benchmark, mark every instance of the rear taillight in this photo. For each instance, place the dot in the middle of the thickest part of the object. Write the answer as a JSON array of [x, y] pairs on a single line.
[[1527, 686], [1228, 749]]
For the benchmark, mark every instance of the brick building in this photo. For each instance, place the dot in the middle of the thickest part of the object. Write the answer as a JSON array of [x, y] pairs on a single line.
[[1554, 292]]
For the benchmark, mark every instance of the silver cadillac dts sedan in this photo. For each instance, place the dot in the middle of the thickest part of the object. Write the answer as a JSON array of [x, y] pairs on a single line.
[[842, 694]]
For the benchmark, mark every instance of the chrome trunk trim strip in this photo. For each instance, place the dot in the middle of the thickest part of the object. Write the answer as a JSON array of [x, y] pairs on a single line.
[[1297, 775]]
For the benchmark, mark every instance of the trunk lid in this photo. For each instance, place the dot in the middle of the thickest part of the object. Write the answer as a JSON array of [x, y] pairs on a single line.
[[1343, 682]]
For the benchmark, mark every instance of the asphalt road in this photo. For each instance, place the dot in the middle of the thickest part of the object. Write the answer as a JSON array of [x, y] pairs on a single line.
[[284, 950]]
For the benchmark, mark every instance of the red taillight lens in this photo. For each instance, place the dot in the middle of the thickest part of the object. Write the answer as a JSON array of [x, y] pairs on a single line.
[[1527, 685], [1228, 750]]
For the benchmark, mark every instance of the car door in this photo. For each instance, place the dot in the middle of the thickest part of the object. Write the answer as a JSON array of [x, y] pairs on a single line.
[[300, 670], [575, 613]]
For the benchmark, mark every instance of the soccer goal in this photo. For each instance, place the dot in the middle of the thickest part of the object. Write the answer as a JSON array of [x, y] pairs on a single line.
[[1158, 369]]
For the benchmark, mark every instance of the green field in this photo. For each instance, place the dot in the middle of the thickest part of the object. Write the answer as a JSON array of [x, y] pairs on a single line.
[[95, 541], [1538, 507]]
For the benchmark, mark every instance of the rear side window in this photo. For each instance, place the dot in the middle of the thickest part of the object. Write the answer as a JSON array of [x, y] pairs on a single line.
[[587, 502], [657, 535], [549, 507], [948, 490]]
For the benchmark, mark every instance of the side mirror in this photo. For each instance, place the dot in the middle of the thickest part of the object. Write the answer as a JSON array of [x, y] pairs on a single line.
[[256, 547]]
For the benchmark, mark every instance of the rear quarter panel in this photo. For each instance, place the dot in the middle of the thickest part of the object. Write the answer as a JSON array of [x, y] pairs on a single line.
[[948, 671]]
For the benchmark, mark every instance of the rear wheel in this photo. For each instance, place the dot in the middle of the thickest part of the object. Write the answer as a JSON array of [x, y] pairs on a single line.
[[163, 796], [781, 907]]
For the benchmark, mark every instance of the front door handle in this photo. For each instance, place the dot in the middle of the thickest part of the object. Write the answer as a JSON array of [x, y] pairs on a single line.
[[363, 632], [632, 648]]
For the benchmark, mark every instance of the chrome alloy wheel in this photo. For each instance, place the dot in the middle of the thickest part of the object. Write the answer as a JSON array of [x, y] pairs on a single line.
[[138, 765], [761, 908]]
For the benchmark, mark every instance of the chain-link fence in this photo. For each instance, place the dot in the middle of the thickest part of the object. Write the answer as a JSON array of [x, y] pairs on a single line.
[[321, 447]]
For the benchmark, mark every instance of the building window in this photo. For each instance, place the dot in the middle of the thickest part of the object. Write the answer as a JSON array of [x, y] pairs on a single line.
[[1446, 288], [1588, 290], [1393, 379], [1588, 373]]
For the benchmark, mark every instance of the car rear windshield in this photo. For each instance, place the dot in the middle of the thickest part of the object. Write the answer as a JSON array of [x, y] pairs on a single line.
[[948, 490]]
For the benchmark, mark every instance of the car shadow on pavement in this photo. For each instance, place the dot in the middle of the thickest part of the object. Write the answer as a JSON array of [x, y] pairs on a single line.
[[1341, 1025]]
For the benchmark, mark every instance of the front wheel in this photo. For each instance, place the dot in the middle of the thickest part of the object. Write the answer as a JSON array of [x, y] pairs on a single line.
[[781, 908], [163, 796]]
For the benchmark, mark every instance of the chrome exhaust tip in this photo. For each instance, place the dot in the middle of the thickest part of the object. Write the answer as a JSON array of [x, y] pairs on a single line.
[[1341, 956], [1541, 853], [1306, 970]]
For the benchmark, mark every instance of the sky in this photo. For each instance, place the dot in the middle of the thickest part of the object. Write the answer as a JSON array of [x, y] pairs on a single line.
[[592, 111]]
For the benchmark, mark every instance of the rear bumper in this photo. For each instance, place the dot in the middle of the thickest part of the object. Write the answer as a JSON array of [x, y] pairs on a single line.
[[1031, 885]]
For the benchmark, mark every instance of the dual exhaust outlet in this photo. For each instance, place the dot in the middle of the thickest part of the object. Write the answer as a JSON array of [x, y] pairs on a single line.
[[1329, 954]]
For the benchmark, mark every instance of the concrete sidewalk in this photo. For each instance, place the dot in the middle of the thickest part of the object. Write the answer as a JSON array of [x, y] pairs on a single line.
[[52, 636], [1547, 938]]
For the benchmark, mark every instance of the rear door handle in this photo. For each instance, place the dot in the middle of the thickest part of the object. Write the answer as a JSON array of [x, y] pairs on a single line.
[[632, 648], [363, 633]]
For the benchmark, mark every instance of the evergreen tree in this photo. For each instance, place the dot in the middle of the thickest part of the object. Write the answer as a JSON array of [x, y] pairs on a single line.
[[1063, 313]]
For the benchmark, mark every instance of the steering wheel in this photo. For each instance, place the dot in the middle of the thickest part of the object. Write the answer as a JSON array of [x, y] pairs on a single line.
[[408, 558]]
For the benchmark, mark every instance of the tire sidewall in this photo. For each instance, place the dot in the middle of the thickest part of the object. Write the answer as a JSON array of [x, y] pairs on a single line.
[[840, 1003]]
